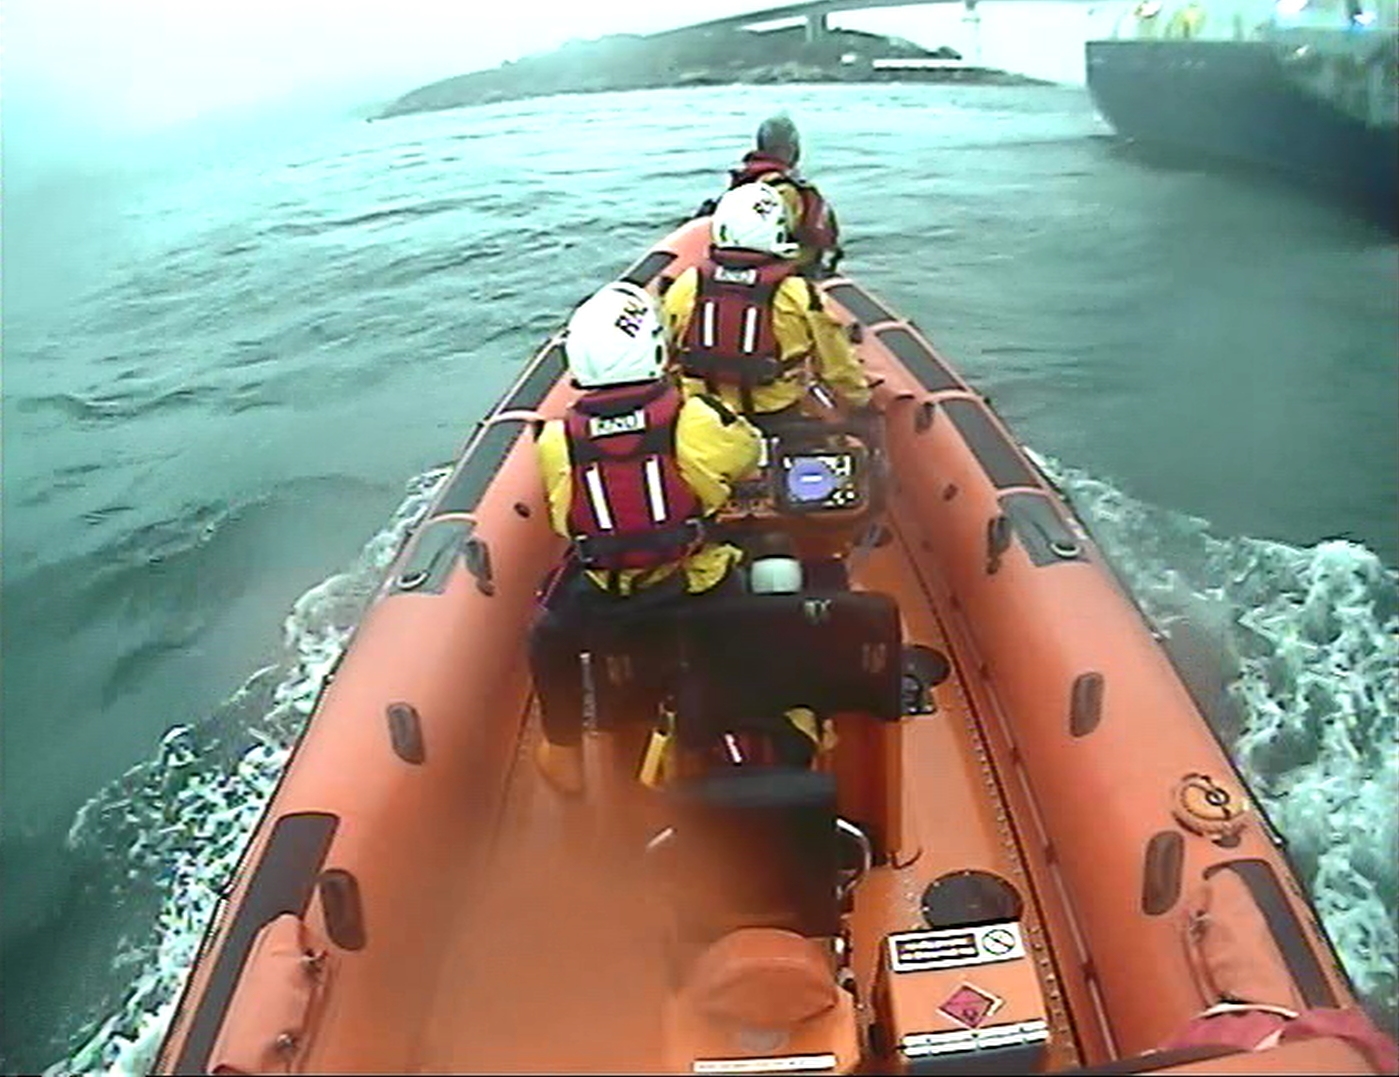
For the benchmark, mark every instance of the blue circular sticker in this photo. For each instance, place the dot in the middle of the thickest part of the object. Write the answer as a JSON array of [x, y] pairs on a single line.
[[809, 480]]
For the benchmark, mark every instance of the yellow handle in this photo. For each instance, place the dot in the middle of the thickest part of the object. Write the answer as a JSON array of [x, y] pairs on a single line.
[[653, 763], [822, 735]]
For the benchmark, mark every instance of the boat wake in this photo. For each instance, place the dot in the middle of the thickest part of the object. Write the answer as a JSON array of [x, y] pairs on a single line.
[[183, 817], [1293, 653]]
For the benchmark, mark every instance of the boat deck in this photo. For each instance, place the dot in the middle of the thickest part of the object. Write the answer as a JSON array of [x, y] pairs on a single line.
[[551, 967], [554, 964]]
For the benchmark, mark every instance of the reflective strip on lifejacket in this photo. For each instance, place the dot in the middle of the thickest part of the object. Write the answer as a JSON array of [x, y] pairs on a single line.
[[750, 326], [655, 493], [597, 497], [655, 489]]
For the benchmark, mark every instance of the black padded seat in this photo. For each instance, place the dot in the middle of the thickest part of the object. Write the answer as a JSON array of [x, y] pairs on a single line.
[[748, 658], [633, 665], [756, 847], [633, 660]]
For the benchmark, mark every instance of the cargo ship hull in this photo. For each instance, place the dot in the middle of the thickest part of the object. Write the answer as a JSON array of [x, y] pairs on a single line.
[[1234, 101]]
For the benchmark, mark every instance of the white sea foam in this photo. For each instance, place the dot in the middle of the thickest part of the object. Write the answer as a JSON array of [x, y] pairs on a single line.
[[192, 809], [1307, 641]]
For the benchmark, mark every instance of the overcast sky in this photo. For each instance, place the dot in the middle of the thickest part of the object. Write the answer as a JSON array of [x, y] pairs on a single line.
[[144, 64], [81, 77], [129, 64]]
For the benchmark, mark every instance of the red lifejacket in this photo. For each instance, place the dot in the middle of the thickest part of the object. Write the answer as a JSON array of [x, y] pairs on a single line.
[[630, 507], [730, 339], [816, 227]]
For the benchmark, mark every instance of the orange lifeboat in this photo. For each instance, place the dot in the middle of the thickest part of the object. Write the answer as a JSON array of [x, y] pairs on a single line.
[[1022, 850]]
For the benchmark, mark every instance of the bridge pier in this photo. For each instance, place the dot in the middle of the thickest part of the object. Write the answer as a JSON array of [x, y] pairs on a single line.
[[971, 20]]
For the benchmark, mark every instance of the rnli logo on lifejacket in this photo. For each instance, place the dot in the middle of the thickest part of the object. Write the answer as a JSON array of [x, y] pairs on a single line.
[[729, 275], [601, 426], [632, 317]]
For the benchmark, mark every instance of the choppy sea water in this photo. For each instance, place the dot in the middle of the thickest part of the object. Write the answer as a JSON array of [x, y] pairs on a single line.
[[229, 384]]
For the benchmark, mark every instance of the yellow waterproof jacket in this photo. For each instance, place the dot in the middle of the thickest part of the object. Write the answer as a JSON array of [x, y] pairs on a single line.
[[803, 330], [714, 447]]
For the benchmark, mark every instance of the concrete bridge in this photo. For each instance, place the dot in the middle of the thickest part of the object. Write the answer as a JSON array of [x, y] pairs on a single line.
[[814, 12]]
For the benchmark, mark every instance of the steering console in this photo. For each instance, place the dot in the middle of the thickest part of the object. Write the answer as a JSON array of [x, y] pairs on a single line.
[[815, 470]]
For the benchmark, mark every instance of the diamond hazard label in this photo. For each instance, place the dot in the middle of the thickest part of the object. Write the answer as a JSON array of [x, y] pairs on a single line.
[[970, 1006]]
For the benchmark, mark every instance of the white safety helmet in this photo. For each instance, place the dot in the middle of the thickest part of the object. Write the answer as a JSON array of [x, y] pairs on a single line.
[[753, 217], [775, 574], [615, 337], [775, 569]]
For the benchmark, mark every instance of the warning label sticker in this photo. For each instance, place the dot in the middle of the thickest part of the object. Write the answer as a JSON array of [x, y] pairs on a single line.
[[919, 951], [970, 1005]]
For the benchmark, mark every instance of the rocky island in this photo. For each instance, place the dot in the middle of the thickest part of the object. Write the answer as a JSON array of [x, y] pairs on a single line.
[[700, 56]]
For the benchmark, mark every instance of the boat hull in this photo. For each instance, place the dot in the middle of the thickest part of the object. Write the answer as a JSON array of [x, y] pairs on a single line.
[[456, 915]]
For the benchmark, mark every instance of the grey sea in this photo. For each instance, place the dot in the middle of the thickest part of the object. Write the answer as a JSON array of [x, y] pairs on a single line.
[[231, 377]]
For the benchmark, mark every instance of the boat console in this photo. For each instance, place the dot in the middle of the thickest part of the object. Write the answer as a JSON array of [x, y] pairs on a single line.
[[810, 470], [820, 484]]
